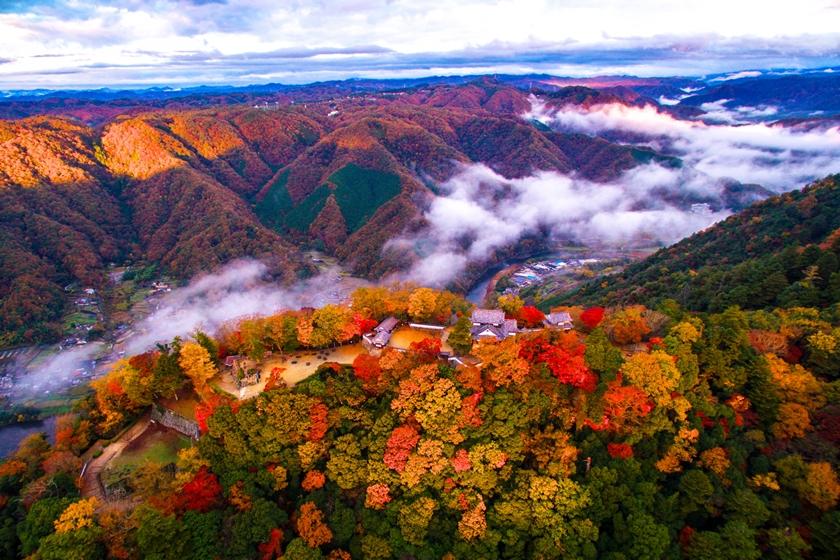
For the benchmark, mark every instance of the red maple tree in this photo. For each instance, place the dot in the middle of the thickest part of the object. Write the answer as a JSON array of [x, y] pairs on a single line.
[[201, 493], [531, 316], [592, 317], [366, 369], [399, 447], [318, 421], [620, 450]]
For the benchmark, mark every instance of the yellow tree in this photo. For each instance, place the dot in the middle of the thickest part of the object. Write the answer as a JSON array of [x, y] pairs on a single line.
[[821, 486], [795, 383], [794, 421], [329, 324], [501, 363], [311, 527], [77, 515], [473, 524], [627, 325], [654, 373], [422, 304], [511, 304], [197, 365]]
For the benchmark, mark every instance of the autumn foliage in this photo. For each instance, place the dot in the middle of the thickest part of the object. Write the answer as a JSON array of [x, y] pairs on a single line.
[[620, 450], [592, 317], [202, 493], [564, 358], [311, 527]]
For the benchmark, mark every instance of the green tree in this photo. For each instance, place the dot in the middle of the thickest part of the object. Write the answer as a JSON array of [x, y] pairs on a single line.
[[601, 356], [824, 533], [80, 544], [787, 544], [460, 337], [159, 536], [38, 522], [649, 540], [204, 530], [745, 505], [696, 488]]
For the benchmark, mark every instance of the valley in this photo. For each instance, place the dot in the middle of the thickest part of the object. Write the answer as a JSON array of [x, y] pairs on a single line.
[[370, 177]]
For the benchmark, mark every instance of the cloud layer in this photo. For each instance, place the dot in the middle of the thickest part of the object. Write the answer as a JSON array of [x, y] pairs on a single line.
[[772, 155], [239, 289], [63, 43], [481, 212]]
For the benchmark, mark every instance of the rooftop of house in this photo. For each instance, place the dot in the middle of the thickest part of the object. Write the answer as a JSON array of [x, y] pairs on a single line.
[[381, 338], [488, 316], [558, 317], [500, 332], [388, 325]]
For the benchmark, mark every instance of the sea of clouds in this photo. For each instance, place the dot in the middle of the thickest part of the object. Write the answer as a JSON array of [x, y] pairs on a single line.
[[239, 289]]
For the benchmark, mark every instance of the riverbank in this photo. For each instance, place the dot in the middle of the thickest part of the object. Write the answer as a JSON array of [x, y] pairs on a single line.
[[12, 434]]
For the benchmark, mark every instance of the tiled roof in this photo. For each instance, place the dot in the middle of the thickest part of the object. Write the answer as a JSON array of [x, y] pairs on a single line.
[[558, 317], [487, 330], [488, 316], [388, 324], [381, 338]]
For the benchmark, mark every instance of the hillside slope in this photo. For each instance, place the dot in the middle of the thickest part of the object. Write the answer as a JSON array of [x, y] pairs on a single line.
[[59, 222], [780, 252]]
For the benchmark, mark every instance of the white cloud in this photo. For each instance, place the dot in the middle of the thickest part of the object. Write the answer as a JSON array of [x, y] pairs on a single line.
[[57, 372], [481, 212], [237, 290], [140, 42], [777, 157], [737, 76]]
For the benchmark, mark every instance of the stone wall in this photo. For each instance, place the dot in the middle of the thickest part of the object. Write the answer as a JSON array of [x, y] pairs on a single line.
[[175, 421]]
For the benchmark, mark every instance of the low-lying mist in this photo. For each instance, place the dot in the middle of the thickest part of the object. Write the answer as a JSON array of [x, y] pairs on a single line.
[[773, 155], [239, 289], [480, 212], [57, 372]]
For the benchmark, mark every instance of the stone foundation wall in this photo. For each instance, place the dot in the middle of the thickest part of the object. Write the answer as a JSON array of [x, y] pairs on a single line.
[[175, 421]]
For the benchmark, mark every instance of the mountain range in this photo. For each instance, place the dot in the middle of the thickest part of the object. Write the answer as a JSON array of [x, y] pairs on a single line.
[[192, 179]]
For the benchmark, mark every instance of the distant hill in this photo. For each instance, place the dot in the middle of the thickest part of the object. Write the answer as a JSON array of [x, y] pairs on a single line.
[[790, 94], [781, 252]]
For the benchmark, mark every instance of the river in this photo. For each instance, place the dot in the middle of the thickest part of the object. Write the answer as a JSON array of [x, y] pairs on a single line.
[[13, 434]]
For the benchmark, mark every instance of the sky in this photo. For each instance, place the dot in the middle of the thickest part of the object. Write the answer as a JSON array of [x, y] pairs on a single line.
[[129, 43]]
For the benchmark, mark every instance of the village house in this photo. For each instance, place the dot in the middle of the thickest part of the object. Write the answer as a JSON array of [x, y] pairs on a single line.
[[560, 320], [382, 333], [491, 323]]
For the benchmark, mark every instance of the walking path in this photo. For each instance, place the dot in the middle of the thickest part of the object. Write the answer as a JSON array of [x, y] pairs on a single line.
[[91, 482]]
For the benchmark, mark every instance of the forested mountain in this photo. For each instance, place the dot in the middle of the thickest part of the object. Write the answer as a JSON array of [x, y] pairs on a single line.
[[190, 189], [780, 252]]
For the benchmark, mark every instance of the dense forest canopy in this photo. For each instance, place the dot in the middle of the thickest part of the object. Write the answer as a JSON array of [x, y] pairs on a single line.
[[639, 434]]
